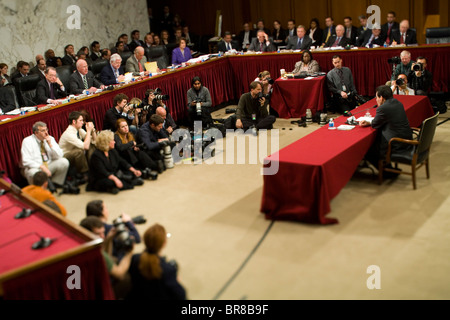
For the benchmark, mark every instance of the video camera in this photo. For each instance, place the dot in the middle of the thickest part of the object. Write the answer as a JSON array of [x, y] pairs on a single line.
[[418, 66], [159, 96], [395, 60]]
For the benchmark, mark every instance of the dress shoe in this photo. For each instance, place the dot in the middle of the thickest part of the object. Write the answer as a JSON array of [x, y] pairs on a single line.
[[138, 182], [113, 190]]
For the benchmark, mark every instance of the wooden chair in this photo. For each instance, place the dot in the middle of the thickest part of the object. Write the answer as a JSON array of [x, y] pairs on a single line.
[[418, 157]]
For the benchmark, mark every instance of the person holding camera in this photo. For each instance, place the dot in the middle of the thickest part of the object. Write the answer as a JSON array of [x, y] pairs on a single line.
[[152, 276], [131, 152], [420, 79], [404, 67], [252, 111], [199, 103], [169, 124], [400, 86], [341, 85], [118, 271], [121, 109], [108, 170]]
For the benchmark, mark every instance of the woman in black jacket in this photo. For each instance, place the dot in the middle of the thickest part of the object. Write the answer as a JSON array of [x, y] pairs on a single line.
[[108, 171]]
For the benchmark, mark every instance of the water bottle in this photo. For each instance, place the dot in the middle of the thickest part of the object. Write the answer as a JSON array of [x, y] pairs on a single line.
[[22, 111], [331, 124]]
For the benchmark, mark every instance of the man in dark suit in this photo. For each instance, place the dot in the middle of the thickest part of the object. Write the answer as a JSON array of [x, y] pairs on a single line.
[[301, 41], [69, 59], [50, 89], [113, 72], [192, 40], [120, 110], [83, 79], [23, 68], [404, 35], [362, 28], [351, 32], [245, 37], [329, 30], [389, 27], [390, 121], [135, 40], [260, 26], [95, 51], [226, 44], [262, 43], [338, 39], [39, 69], [372, 37]]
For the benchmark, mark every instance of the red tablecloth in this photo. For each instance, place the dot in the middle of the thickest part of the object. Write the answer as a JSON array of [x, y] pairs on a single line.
[[291, 97], [314, 169]]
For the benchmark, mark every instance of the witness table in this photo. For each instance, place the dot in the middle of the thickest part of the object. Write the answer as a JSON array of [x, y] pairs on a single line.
[[314, 169], [29, 274], [291, 97], [227, 78]]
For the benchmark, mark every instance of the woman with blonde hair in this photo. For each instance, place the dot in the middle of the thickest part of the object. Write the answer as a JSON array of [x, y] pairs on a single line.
[[108, 171], [152, 277]]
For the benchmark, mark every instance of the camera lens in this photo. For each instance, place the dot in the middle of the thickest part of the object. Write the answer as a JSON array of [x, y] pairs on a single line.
[[400, 82]]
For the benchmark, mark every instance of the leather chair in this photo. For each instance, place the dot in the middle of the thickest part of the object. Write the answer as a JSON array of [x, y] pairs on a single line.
[[418, 157], [158, 54], [97, 67], [125, 55], [438, 35], [64, 73], [27, 89], [8, 98]]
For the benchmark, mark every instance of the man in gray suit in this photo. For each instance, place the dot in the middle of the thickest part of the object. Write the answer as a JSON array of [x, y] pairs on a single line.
[[300, 42], [262, 43], [136, 63], [390, 121], [83, 79], [341, 85]]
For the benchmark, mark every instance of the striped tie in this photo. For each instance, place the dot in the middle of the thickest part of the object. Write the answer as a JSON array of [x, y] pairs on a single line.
[[85, 82]]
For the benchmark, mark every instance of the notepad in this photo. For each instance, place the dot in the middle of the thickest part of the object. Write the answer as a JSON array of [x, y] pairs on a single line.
[[345, 127], [151, 67]]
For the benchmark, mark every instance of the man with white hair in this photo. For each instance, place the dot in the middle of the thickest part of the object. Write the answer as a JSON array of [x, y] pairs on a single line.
[[338, 39], [113, 73], [372, 37], [402, 68], [404, 35], [83, 79], [136, 63]]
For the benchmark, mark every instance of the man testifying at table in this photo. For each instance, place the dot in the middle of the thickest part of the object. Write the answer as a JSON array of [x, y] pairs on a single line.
[[252, 110], [83, 79], [341, 85], [50, 89], [390, 121], [300, 42]]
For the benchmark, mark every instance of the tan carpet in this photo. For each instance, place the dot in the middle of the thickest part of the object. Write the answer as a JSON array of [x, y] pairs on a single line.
[[227, 250]]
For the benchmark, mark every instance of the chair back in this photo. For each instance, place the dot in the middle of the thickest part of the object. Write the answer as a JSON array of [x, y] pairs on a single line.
[[438, 35], [98, 65], [158, 54], [426, 134], [64, 73], [27, 89], [8, 94], [125, 55]]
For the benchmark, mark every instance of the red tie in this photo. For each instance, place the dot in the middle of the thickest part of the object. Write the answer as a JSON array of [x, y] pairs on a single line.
[[261, 46], [336, 42], [388, 34], [140, 67], [401, 39]]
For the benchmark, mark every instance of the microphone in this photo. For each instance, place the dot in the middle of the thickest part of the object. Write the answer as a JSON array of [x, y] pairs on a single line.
[[42, 243], [25, 213]]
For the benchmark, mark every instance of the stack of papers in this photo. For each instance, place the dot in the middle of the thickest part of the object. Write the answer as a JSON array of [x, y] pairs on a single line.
[[368, 119], [345, 127]]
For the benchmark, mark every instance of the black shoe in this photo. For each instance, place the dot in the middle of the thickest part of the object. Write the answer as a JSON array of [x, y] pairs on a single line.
[[51, 186], [113, 190], [161, 166], [138, 182]]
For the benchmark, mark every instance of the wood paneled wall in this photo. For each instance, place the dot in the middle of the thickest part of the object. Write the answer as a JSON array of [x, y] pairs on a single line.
[[201, 14]]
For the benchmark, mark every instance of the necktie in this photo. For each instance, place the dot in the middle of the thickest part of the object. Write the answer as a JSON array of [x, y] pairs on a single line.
[[370, 40], [402, 38], [388, 34], [228, 47], [299, 43], [78, 135], [52, 93], [336, 42], [140, 67], [348, 33], [328, 34], [116, 73], [85, 82], [44, 154], [261, 46]]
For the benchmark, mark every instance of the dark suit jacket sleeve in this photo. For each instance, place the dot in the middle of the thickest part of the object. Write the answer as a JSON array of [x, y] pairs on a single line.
[[109, 121], [170, 122], [146, 137], [97, 166], [42, 93], [59, 92], [117, 159], [307, 42], [291, 43], [76, 85]]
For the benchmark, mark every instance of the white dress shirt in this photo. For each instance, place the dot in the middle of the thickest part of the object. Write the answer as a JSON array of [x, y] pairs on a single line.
[[31, 152], [69, 140]]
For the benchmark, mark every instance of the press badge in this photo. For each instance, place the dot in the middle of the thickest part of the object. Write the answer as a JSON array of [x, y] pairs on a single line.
[[44, 157], [344, 88], [254, 116]]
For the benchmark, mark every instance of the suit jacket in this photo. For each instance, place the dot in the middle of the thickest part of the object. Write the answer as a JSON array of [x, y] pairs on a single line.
[[359, 34], [8, 78], [254, 46], [317, 36], [391, 119], [76, 84], [35, 70], [111, 117], [241, 36], [133, 66], [68, 60], [353, 34], [334, 81], [101, 167], [385, 29], [149, 137], [177, 56], [281, 36], [342, 43], [410, 36], [95, 57], [43, 91], [366, 37], [293, 41], [133, 45], [325, 33], [222, 46], [107, 76]]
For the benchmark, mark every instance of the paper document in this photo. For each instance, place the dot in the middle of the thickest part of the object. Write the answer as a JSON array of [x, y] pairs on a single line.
[[151, 67], [345, 127], [368, 119]]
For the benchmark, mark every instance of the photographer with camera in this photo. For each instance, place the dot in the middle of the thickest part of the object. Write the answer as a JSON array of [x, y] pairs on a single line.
[[400, 86], [199, 103], [152, 276], [420, 79], [403, 66], [169, 124], [341, 85], [155, 140], [152, 100], [252, 111], [133, 153], [121, 109], [98, 209], [118, 271]]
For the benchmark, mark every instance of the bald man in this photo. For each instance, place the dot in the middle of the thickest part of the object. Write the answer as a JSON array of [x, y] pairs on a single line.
[[136, 63], [339, 39], [404, 35], [83, 79], [169, 124]]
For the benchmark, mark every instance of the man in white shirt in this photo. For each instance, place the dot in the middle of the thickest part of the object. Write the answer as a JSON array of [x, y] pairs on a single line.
[[400, 86], [40, 152], [75, 142]]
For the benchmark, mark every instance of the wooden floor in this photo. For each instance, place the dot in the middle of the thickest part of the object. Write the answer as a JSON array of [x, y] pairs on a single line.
[[226, 249]]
